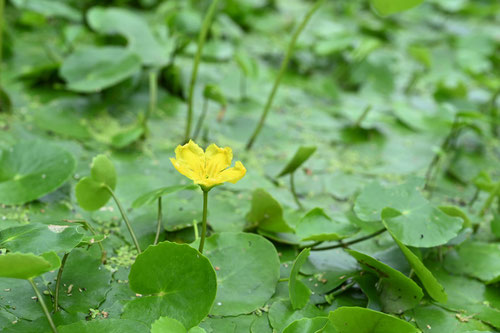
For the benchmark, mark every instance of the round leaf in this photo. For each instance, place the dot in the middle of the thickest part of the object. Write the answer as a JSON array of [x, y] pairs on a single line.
[[247, 268], [177, 281], [29, 170], [27, 266]]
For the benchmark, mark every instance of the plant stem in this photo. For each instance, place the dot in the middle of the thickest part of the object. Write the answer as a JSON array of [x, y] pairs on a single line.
[[158, 228], [292, 188], [358, 240], [44, 307], [363, 116], [125, 218], [58, 282], [284, 65], [489, 201], [204, 223], [201, 119], [201, 42]]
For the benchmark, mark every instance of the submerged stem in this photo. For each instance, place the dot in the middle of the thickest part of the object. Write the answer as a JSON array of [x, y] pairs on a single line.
[[284, 65], [44, 307], [354, 241], [204, 223], [158, 227], [58, 282], [125, 218], [292, 188], [201, 42]]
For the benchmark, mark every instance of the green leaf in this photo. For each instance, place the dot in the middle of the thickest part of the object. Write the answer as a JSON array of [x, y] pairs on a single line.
[[431, 285], [91, 192], [298, 291], [152, 196], [301, 155], [104, 326], [317, 226], [307, 325], [93, 69], [39, 238], [417, 223], [214, 93], [139, 36], [266, 213], [432, 318], [388, 7], [176, 281], [84, 282], [50, 8], [281, 314], [32, 169], [361, 320], [397, 292], [166, 324], [247, 268], [127, 136], [476, 259], [27, 266]]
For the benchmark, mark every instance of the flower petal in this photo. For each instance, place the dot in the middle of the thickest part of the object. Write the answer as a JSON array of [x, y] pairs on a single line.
[[184, 170], [190, 156], [233, 174], [217, 159]]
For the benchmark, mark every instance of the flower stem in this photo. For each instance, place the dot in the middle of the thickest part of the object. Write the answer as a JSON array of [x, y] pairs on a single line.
[[292, 188], [58, 282], [201, 119], [158, 228], [125, 218], [153, 97], [204, 223], [361, 239], [201, 42], [42, 304], [284, 65]]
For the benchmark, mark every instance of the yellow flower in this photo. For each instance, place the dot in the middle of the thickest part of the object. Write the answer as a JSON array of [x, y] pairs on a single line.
[[209, 168]]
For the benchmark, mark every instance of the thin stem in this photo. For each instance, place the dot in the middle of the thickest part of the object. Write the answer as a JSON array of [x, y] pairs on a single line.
[[347, 244], [58, 282], [284, 65], [201, 42], [201, 119], [363, 116], [153, 97], [292, 188], [42, 304], [158, 227], [490, 200], [125, 218], [204, 223]]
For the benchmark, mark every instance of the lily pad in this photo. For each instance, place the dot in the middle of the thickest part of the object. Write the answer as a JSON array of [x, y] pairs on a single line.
[[93, 69], [32, 169], [176, 281], [247, 268]]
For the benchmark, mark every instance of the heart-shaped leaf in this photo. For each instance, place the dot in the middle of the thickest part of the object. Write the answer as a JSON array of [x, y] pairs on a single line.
[[91, 192], [31, 169], [27, 266], [176, 281]]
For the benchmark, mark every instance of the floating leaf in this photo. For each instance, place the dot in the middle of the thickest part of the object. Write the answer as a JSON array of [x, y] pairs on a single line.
[[176, 281], [40, 238], [27, 266], [104, 326], [152, 196], [476, 259], [298, 291], [281, 314], [307, 325], [139, 36], [361, 320], [397, 292], [266, 213], [417, 223], [301, 155], [247, 268], [91, 192], [317, 226], [388, 7], [166, 324], [32, 169], [93, 69]]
